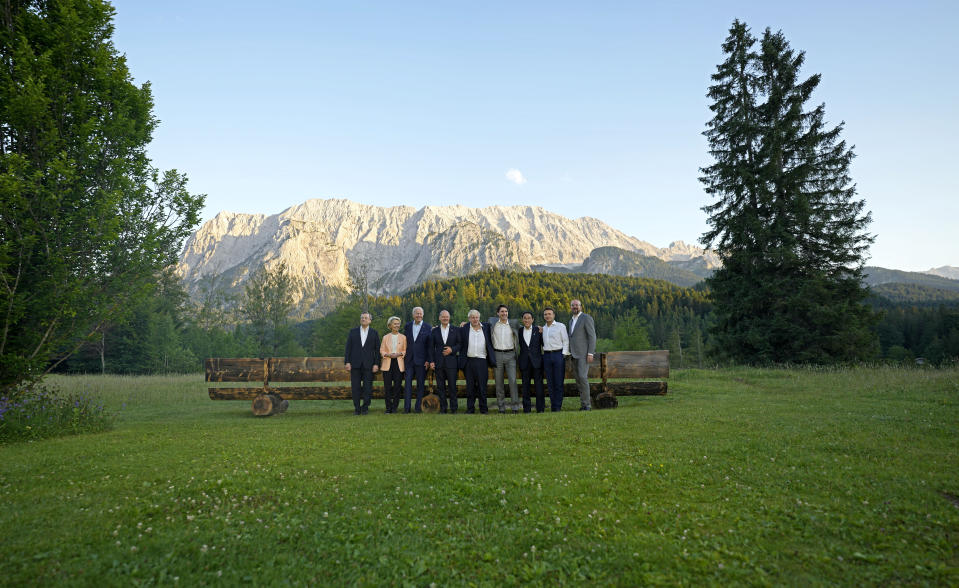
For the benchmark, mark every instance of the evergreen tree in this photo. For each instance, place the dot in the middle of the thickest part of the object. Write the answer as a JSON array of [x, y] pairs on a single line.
[[785, 221], [267, 305], [675, 347]]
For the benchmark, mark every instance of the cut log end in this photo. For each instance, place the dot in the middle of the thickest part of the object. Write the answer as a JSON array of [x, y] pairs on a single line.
[[431, 403], [265, 405], [606, 400]]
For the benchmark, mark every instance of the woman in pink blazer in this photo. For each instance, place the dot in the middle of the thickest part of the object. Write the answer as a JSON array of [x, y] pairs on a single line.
[[392, 350]]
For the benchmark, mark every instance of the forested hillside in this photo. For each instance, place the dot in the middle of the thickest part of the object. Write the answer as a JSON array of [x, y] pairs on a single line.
[[170, 333], [660, 314]]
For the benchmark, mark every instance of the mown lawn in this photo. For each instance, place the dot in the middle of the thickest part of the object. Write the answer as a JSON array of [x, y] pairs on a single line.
[[740, 476]]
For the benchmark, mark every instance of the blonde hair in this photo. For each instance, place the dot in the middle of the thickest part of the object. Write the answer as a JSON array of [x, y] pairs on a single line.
[[390, 320]]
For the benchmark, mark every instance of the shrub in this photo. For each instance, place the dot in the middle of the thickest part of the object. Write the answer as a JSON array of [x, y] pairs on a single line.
[[40, 411]]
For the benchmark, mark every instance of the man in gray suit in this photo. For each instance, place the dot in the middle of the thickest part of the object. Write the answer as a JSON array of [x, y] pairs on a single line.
[[505, 343], [582, 346]]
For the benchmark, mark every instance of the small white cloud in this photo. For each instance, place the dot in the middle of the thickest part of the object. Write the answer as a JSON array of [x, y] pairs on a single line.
[[516, 176]]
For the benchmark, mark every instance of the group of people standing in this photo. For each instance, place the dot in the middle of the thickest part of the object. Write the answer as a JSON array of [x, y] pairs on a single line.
[[508, 345]]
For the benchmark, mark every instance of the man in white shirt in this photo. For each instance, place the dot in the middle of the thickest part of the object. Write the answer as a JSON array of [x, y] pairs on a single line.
[[505, 346], [555, 350], [477, 353]]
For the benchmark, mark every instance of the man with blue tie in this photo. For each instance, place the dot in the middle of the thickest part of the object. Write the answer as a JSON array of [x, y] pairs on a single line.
[[418, 357], [445, 343]]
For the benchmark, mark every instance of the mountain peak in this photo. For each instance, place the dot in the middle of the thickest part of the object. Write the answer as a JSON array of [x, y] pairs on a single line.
[[398, 246]]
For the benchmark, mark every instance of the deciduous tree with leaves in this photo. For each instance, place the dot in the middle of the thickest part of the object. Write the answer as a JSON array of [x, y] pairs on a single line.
[[86, 222]]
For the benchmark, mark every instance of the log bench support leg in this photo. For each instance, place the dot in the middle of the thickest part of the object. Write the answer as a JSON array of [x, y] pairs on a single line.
[[269, 403], [605, 398], [265, 405]]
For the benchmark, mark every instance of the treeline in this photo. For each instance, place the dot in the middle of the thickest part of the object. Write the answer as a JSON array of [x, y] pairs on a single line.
[[907, 332], [630, 313], [171, 333]]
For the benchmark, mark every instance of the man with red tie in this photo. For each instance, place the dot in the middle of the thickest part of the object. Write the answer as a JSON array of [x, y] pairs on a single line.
[[418, 357]]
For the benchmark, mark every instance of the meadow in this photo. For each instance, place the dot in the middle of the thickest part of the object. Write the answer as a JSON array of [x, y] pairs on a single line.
[[737, 477]]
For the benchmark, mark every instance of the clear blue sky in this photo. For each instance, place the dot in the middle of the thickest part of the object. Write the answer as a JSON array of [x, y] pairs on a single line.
[[600, 106]]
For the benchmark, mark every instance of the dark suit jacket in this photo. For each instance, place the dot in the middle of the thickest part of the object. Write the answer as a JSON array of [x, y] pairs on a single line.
[[418, 351], [532, 354], [465, 344], [362, 356], [452, 340]]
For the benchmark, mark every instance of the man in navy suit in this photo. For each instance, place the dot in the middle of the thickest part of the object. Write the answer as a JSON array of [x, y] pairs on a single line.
[[362, 358], [531, 362], [445, 343], [476, 357], [418, 356]]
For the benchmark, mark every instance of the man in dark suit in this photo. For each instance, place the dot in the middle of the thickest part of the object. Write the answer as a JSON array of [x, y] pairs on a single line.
[[582, 346], [418, 357], [445, 343], [476, 356], [531, 362], [362, 358]]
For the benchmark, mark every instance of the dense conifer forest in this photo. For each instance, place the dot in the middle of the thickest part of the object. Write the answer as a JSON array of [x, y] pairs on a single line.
[[170, 333]]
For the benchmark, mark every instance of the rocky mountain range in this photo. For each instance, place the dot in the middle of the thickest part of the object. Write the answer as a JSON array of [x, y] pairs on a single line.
[[326, 243], [394, 248], [946, 271]]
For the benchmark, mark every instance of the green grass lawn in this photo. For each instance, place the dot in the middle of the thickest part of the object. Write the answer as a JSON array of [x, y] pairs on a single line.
[[741, 476]]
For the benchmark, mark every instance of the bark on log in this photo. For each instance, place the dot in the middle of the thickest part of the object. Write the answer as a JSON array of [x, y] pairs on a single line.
[[637, 364], [618, 364], [344, 392]]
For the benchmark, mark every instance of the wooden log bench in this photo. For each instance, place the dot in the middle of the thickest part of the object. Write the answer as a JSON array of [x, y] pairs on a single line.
[[270, 382]]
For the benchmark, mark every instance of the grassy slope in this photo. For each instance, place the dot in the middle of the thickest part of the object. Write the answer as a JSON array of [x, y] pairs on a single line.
[[738, 476]]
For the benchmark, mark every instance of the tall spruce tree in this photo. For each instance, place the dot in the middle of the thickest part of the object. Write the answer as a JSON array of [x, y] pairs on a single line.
[[785, 221]]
